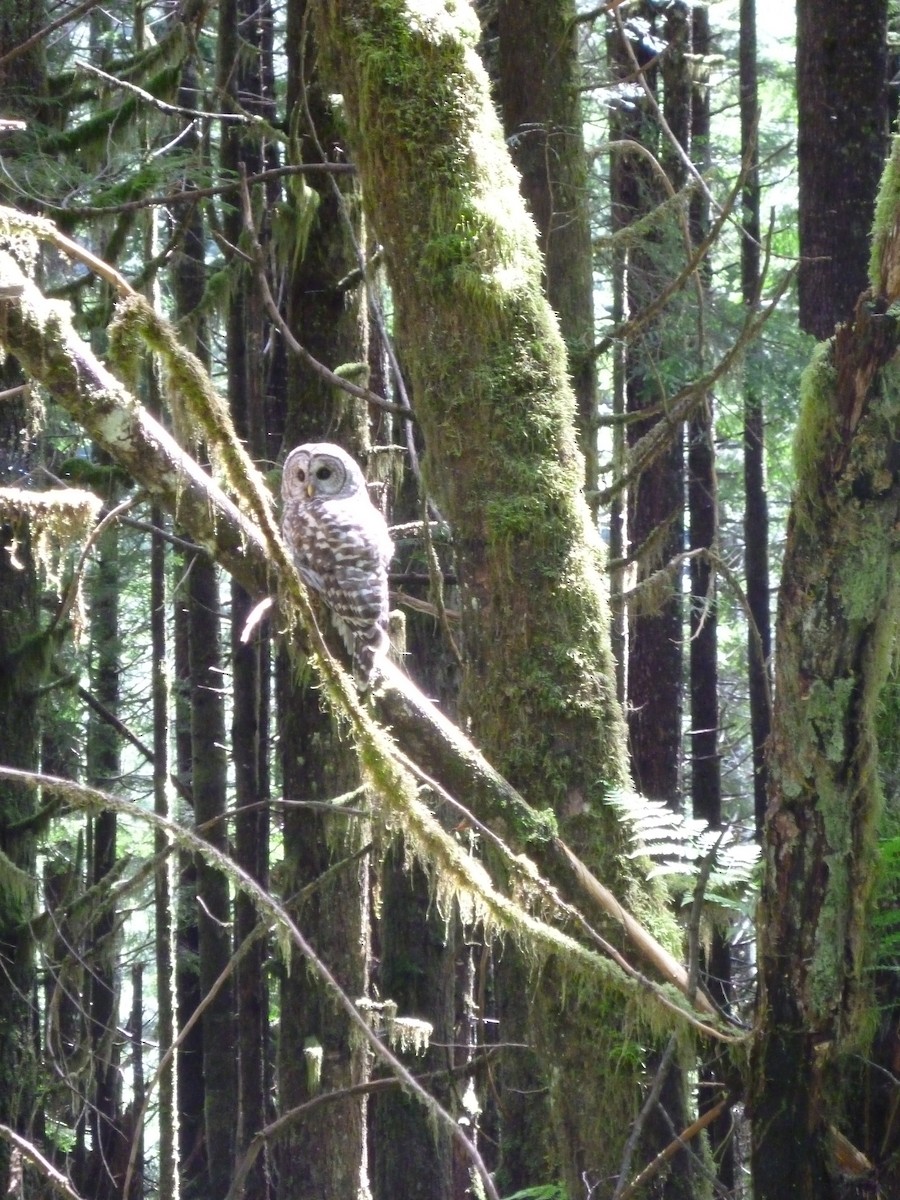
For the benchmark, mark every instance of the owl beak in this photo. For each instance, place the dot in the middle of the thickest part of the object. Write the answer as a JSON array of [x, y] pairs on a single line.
[[310, 489]]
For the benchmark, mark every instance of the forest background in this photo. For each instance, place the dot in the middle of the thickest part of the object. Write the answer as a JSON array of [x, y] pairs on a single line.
[[596, 894]]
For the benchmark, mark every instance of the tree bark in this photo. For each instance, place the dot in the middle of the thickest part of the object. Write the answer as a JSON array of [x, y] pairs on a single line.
[[539, 91], [22, 673], [656, 501], [756, 507], [489, 378], [103, 765], [836, 620], [244, 31], [842, 141], [326, 881], [23, 658]]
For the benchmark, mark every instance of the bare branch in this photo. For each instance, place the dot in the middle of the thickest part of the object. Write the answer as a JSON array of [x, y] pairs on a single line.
[[55, 1178], [291, 342], [173, 109], [72, 15]]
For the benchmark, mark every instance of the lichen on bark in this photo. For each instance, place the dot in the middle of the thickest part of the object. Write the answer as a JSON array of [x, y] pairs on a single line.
[[836, 625]]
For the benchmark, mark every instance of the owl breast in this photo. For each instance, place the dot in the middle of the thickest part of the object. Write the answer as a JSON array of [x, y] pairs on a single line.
[[350, 558]]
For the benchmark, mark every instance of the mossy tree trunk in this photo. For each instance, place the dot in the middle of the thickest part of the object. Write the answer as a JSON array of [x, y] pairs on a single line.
[[489, 375], [537, 85], [836, 620], [21, 676], [23, 665]]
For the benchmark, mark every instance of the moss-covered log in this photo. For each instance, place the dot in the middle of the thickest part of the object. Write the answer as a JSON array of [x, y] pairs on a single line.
[[836, 618]]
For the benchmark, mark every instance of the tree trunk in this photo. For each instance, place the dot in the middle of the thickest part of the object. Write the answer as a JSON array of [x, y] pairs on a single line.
[[489, 376], [190, 1087], [163, 889], [326, 882], [756, 507], [208, 784], [21, 675], [655, 503], [242, 71], [836, 620], [22, 661], [842, 141], [103, 765], [411, 1159], [539, 90], [706, 774]]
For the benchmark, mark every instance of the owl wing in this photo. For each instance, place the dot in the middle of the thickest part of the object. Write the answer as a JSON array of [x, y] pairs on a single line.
[[312, 578]]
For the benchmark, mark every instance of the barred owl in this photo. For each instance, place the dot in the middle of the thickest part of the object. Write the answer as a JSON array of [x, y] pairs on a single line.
[[341, 545]]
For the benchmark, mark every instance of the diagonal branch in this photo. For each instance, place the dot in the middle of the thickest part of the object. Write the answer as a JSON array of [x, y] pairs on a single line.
[[44, 342]]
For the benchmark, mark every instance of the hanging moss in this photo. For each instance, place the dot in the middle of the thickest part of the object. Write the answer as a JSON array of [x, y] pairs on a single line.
[[57, 520]]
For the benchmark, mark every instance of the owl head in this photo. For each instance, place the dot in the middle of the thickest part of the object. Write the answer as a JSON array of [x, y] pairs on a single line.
[[321, 469]]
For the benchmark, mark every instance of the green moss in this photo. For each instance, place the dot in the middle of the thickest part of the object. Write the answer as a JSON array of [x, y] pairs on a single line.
[[816, 423], [864, 573], [884, 223], [827, 709]]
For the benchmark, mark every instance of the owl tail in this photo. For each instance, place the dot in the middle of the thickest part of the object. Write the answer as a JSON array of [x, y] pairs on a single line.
[[371, 646]]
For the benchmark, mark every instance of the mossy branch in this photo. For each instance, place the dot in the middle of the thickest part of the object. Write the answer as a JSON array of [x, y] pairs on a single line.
[[42, 338], [273, 913]]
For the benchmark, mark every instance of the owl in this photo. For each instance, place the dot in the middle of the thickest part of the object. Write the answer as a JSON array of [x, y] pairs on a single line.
[[341, 545]]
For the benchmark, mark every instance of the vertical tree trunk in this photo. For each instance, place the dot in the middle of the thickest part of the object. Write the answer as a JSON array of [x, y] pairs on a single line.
[[706, 775], [19, 742], [203, 944], [836, 622], [655, 521], [323, 1155], [190, 1086], [241, 74], [208, 784], [23, 84], [411, 1160], [539, 90], [842, 141], [756, 509], [103, 765], [163, 892]]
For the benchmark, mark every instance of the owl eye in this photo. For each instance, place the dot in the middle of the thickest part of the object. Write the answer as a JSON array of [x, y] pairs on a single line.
[[324, 473], [301, 474]]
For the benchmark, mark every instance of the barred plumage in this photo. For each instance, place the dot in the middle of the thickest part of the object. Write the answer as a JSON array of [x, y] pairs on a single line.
[[341, 544]]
